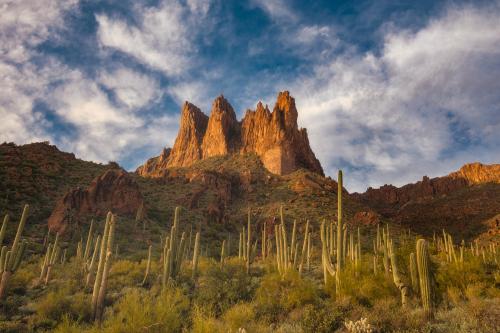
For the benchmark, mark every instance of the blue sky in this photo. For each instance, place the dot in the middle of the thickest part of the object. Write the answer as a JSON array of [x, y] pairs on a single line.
[[388, 90]]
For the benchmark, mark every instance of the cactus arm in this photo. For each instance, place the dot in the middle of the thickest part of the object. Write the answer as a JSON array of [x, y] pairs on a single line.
[[19, 256], [4, 228], [3, 257], [304, 247], [86, 253], [196, 254], [397, 279], [148, 266]]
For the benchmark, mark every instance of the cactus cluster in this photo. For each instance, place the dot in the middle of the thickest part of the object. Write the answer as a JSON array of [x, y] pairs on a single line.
[[247, 251], [103, 267], [173, 251], [287, 256], [50, 259], [11, 259]]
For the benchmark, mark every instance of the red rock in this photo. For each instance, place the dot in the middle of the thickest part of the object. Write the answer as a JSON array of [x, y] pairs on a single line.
[[113, 191], [478, 173], [187, 146], [274, 137], [366, 218], [222, 136]]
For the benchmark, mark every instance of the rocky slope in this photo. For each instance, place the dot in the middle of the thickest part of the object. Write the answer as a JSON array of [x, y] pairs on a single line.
[[38, 174], [115, 191], [459, 202], [273, 136]]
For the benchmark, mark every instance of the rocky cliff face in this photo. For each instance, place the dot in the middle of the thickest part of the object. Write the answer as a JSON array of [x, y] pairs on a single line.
[[114, 190], [478, 173], [469, 174], [273, 136]]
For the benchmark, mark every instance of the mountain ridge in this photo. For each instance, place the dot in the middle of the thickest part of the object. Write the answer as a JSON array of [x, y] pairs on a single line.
[[274, 136]]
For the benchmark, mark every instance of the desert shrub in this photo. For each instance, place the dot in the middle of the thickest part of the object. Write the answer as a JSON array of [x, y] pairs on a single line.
[[125, 273], [56, 305], [239, 316], [472, 271], [322, 317], [480, 316], [387, 315], [141, 310], [205, 323], [22, 278], [219, 289], [366, 287], [276, 295]]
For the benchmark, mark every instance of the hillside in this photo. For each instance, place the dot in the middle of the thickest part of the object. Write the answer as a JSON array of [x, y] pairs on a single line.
[[461, 202], [38, 174]]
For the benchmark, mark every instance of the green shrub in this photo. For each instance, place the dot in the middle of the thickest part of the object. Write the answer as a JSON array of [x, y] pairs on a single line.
[[219, 289], [241, 315], [322, 317], [276, 296], [141, 310], [55, 305]]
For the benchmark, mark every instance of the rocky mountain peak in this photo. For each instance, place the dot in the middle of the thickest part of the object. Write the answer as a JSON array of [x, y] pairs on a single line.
[[274, 137], [286, 111], [478, 173], [221, 137]]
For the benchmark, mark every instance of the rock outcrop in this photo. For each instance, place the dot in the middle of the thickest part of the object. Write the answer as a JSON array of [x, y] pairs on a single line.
[[187, 146], [273, 136], [155, 164], [478, 173], [115, 191], [469, 174]]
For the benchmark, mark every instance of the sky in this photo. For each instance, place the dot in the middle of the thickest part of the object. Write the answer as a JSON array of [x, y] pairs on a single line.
[[389, 91]]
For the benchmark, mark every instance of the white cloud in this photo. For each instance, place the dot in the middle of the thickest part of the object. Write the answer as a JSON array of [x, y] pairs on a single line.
[[276, 9], [163, 38], [25, 23], [389, 117], [102, 129], [132, 88]]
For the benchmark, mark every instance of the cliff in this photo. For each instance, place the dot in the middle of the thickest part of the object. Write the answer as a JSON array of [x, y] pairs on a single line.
[[274, 136]]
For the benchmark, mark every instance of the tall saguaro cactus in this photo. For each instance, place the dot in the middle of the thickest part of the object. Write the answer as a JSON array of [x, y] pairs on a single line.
[[340, 252], [403, 288], [148, 266], [196, 254], [100, 282], [424, 276], [11, 259]]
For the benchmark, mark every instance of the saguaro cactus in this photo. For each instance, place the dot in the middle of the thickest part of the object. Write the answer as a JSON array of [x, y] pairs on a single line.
[[107, 266], [101, 264], [403, 288], [249, 244], [325, 255], [173, 252], [196, 254], [10, 260], [413, 272], [340, 247], [222, 253], [93, 262], [148, 266], [424, 276], [52, 259]]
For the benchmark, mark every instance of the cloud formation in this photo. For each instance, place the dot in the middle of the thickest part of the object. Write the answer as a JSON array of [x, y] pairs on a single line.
[[163, 37], [393, 117]]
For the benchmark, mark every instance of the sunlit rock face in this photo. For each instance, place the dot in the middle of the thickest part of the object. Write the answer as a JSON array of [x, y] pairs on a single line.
[[274, 136]]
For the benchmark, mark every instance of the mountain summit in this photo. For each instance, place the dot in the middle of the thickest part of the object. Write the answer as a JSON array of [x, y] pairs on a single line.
[[274, 136]]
